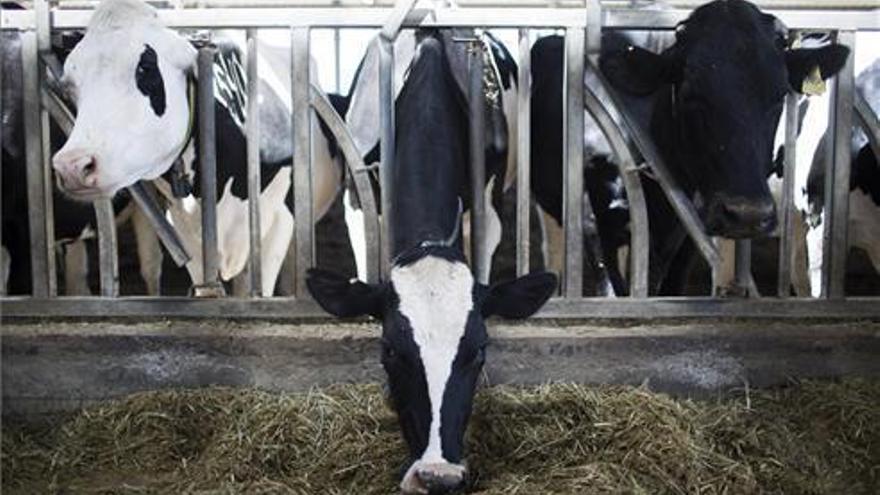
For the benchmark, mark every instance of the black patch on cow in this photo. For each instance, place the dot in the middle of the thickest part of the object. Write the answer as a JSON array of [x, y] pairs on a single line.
[[507, 67], [458, 396], [866, 174], [149, 80]]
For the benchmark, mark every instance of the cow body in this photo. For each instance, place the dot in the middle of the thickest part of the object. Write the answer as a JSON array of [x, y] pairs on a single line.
[[432, 308]]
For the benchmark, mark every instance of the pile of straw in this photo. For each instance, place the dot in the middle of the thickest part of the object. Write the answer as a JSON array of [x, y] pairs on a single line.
[[810, 438]]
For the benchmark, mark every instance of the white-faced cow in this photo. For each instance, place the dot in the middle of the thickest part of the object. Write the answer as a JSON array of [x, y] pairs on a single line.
[[432, 309], [129, 77], [74, 222], [711, 103]]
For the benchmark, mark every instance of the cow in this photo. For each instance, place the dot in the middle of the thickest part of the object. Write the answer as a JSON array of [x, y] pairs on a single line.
[[711, 103], [432, 309], [130, 78], [74, 222], [362, 117], [864, 197]]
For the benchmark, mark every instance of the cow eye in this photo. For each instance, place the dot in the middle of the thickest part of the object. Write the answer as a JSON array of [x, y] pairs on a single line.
[[149, 80]]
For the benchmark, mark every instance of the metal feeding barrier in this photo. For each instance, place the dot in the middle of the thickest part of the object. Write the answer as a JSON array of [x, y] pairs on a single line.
[[581, 28]]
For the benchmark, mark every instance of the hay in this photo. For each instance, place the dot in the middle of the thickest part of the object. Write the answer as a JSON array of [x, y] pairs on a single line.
[[810, 438]]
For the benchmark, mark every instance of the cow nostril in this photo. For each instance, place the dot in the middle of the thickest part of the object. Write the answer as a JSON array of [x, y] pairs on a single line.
[[89, 168], [440, 482]]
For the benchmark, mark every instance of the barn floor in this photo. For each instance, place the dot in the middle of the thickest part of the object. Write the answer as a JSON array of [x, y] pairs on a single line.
[[811, 437]]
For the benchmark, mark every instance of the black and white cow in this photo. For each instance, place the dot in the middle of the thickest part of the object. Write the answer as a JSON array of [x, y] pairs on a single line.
[[432, 308], [129, 77], [362, 117], [864, 198], [74, 222], [711, 103]]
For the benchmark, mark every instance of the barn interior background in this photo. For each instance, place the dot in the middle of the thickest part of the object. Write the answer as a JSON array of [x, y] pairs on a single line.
[[62, 349]]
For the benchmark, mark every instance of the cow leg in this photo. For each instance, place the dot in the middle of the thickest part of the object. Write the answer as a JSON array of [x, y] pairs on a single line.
[[76, 269], [275, 243], [724, 277], [493, 231], [594, 251], [149, 252], [5, 268], [551, 246], [814, 257], [354, 221], [800, 278]]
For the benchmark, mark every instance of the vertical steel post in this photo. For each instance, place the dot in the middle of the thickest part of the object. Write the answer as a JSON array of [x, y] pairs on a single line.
[[42, 242], [107, 248], [786, 209], [253, 166], [302, 159], [211, 286], [523, 173], [386, 143], [837, 176], [477, 130], [573, 175]]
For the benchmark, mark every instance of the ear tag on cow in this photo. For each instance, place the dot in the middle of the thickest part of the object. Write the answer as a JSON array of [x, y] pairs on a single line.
[[813, 84]]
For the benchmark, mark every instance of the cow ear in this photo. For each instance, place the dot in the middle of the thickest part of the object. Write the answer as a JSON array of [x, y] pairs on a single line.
[[519, 298], [345, 298], [635, 70], [803, 62]]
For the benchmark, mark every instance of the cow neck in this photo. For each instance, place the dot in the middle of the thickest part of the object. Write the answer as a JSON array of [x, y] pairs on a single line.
[[430, 173], [178, 176]]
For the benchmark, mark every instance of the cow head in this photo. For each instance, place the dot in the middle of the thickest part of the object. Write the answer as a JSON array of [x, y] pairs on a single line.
[[128, 78], [433, 348], [722, 86]]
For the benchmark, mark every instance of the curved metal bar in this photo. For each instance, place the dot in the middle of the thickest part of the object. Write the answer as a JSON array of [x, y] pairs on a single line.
[[356, 167], [868, 121], [395, 21], [638, 210], [682, 205]]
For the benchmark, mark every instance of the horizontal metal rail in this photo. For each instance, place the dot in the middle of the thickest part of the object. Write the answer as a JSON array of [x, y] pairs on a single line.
[[613, 18], [782, 4], [623, 309]]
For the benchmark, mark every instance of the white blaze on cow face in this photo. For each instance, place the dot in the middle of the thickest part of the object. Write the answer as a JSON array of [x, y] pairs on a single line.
[[436, 298], [128, 77]]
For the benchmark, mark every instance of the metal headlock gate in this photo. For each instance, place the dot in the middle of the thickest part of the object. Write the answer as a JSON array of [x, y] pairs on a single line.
[[582, 28]]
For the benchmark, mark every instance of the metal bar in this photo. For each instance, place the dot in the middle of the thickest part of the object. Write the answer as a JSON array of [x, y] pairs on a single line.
[[627, 309], [868, 121], [253, 166], [210, 285], [573, 172], [614, 18], [786, 209], [160, 224], [356, 167], [302, 159], [190, 4], [107, 248], [41, 242], [638, 210], [837, 176], [477, 130], [386, 144], [523, 173], [396, 18]]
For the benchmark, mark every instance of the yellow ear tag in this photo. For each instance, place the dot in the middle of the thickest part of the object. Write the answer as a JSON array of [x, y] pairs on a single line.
[[813, 84]]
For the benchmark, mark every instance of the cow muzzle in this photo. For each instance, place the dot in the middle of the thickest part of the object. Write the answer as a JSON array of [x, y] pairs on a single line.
[[433, 478], [78, 172], [740, 217]]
